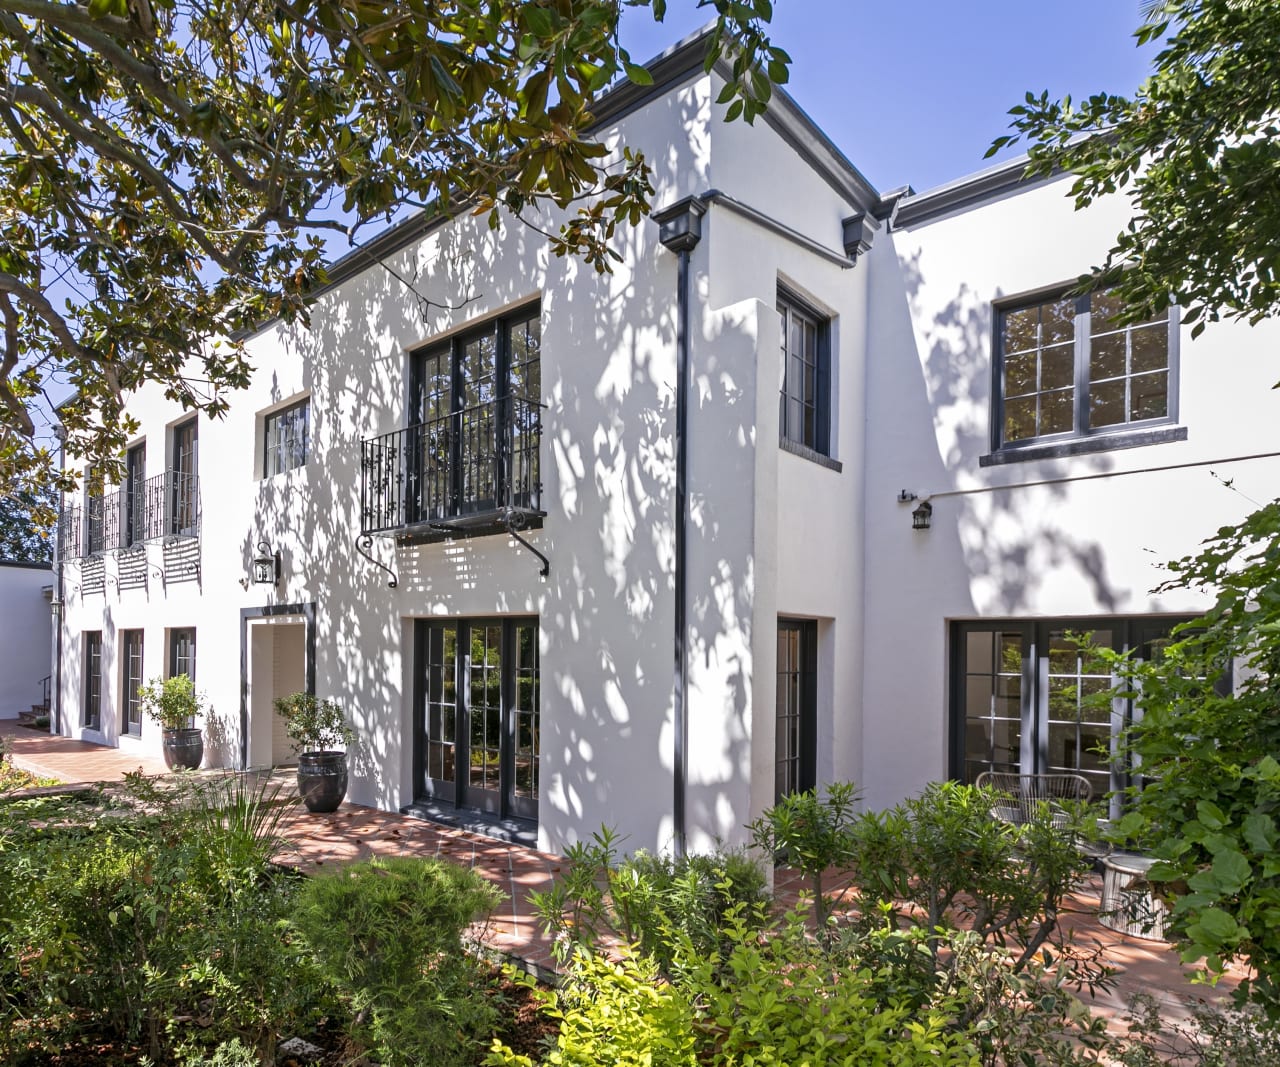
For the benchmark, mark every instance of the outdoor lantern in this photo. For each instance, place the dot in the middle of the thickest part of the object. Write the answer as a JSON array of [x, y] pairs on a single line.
[[922, 515], [266, 565]]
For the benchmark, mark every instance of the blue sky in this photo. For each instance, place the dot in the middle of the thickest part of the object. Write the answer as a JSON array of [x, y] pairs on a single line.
[[915, 91]]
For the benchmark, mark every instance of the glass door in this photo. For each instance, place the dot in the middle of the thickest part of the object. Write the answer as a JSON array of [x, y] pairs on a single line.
[[477, 697]]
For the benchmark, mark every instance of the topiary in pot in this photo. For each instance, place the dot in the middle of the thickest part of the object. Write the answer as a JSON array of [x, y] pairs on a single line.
[[174, 703], [316, 727]]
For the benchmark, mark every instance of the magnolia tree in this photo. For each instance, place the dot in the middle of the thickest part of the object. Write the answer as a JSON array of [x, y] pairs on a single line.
[[172, 170]]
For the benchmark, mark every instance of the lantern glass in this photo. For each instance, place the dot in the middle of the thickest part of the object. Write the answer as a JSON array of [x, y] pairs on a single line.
[[921, 516]]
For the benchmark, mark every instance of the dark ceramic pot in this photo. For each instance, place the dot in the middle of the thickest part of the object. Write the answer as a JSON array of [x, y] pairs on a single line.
[[183, 749], [322, 780]]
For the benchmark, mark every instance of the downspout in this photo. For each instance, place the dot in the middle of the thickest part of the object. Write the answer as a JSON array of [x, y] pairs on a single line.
[[55, 716], [680, 230]]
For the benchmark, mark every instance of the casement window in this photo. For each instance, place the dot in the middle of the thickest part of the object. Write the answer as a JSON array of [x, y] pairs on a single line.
[[795, 744], [135, 494], [131, 700], [1031, 696], [182, 652], [183, 495], [1064, 370], [805, 417], [92, 719], [286, 438]]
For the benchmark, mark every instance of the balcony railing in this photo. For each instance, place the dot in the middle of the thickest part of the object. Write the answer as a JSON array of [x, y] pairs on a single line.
[[160, 507], [468, 469]]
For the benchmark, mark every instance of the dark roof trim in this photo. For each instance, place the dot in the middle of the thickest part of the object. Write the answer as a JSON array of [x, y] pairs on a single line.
[[793, 124], [966, 192]]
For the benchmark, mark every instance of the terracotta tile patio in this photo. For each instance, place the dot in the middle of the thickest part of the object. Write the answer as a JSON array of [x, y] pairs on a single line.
[[354, 832]]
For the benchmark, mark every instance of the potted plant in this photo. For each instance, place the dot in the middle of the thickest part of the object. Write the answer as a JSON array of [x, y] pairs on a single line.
[[174, 703], [316, 727]]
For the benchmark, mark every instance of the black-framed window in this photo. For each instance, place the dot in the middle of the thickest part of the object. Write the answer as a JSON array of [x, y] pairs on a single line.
[[1064, 369], [182, 652], [92, 719], [131, 643], [1030, 695], [135, 494], [95, 493], [286, 438], [795, 743], [474, 406], [183, 497], [804, 415]]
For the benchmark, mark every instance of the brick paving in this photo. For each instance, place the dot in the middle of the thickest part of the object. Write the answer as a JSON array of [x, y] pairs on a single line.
[[355, 832]]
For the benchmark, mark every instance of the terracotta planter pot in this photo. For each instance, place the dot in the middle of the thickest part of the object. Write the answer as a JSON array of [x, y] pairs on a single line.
[[183, 749], [322, 780]]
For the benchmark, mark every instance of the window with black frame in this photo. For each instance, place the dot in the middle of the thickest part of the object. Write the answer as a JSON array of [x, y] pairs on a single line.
[[286, 438], [795, 743], [131, 689], [92, 719], [1066, 368], [804, 415], [183, 503], [1034, 696]]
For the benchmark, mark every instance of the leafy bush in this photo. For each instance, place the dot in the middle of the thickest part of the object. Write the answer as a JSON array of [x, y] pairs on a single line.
[[614, 1013], [171, 702], [164, 927], [646, 900], [314, 725], [813, 834], [388, 933], [943, 856], [1212, 1038]]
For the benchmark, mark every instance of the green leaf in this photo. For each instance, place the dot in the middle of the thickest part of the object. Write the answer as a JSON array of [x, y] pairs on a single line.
[[638, 74]]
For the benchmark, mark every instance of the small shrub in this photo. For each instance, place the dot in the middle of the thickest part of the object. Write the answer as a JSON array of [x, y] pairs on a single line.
[[172, 702], [388, 934], [647, 900], [813, 834], [614, 1013], [314, 725]]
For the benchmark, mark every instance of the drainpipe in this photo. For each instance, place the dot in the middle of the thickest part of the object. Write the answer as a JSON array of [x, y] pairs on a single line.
[[680, 230], [58, 606]]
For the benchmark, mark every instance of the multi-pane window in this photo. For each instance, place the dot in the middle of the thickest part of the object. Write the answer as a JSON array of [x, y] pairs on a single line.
[[286, 438], [135, 494], [95, 511], [93, 680], [131, 642], [803, 416], [1066, 368], [1035, 696], [474, 408], [796, 723], [182, 653], [183, 494], [479, 735]]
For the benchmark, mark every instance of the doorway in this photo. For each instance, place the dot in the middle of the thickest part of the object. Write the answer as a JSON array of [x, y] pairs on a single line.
[[277, 649], [476, 714]]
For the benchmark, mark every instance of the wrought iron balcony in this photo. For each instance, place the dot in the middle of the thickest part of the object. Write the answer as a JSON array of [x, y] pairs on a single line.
[[472, 471], [166, 506]]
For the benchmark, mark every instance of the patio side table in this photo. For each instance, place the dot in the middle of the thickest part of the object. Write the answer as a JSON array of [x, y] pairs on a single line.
[[1128, 905]]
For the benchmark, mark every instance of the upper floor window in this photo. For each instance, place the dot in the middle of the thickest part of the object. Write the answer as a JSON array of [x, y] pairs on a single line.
[[804, 417], [1065, 368], [287, 438]]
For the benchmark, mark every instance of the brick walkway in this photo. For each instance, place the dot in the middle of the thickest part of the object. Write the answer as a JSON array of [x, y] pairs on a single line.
[[355, 832]]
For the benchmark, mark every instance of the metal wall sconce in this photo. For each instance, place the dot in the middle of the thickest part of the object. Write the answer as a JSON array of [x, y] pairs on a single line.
[[922, 515], [266, 565]]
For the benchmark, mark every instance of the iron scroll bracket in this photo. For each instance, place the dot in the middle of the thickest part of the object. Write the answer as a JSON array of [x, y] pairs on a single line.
[[363, 544], [513, 521]]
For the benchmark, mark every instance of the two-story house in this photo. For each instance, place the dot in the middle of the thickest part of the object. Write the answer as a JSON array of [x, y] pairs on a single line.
[[638, 549]]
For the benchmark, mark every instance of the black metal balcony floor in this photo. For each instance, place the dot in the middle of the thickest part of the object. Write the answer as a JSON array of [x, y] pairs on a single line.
[[470, 524]]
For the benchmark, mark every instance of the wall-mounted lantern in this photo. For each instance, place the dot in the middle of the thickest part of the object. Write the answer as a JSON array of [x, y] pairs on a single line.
[[266, 565], [922, 515]]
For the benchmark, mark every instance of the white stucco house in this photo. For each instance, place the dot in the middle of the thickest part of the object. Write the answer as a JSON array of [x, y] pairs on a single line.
[[639, 549]]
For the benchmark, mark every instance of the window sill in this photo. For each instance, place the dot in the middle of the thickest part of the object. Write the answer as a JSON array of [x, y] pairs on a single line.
[[1080, 446], [805, 452]]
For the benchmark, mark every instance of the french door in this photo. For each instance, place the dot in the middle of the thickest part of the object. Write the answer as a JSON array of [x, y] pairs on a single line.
[[476, 699], [1030, 696]]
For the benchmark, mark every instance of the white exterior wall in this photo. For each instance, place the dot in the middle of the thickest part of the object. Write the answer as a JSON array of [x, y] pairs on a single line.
[[606, 610], [1080, 545], [25, 634]]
